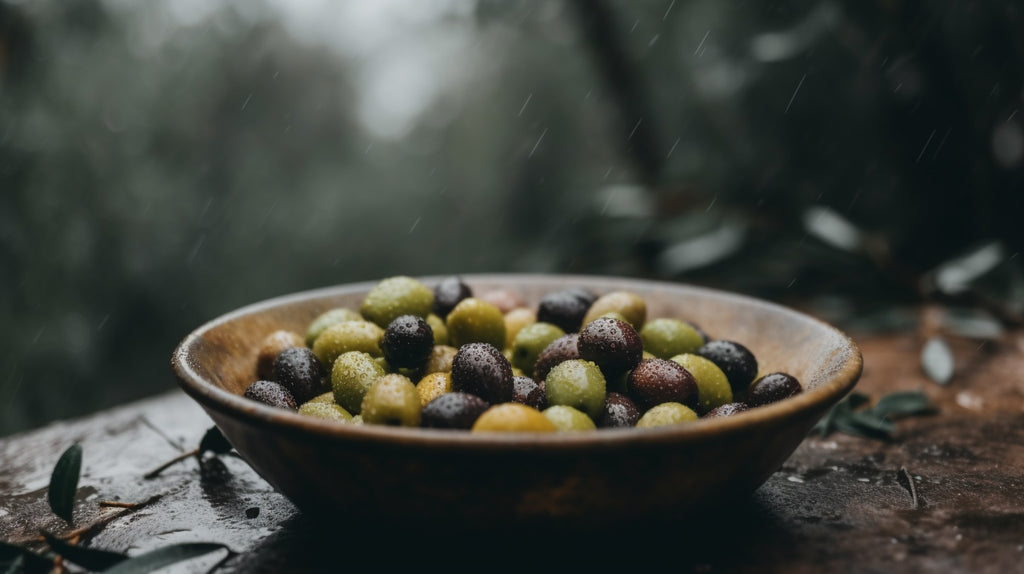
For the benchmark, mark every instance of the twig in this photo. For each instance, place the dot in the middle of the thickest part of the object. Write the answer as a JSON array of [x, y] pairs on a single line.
[[231, 554], [177, 445], [122, 508], [153, 473]]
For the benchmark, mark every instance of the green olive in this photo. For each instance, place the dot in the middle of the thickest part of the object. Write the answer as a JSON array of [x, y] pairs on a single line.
[[476, 321], [347, 336], [566, 418], [530, 342], [713, 387], [434, 385], [440, 359], [513, 417], [515, 320], [392, 400], [328, 318], [629, 305], [394, 297], [666, 338], [322, 410], [577, 383], [439, 328], [352, 375], [666, 414]]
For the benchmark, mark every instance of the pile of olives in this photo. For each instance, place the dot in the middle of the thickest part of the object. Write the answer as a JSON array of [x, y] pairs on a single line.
[[444, 358]]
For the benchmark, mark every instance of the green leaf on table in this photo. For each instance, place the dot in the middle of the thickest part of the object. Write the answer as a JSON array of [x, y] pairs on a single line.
[[64, 482], [88, 558], [165, 556], [901, 404], [937, 360], [851, 416], [214, 441], [832, 228]]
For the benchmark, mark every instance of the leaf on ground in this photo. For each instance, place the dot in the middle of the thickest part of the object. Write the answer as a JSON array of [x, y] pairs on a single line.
[[937, 360], [89, 558], [64, 482], [851, 415], [214, 441], [165, 556]]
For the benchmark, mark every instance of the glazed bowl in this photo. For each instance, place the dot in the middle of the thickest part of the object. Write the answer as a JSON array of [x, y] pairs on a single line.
[[434, 476]]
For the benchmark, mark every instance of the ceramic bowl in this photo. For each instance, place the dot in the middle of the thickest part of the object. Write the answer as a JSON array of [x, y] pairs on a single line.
[[412, 475]]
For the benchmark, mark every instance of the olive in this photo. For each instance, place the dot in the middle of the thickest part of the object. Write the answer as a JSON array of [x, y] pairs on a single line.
[[476, 321], [530, 342], [480, 369], [434, 385], [439, 328], [712, 385], [503, 299], [619, 411], [271, 347], [347, 336], [351, 376], [271, 394], [447, 294], [453, 411], [328, 411], [771, 388], [564, 308], [613, 344], [728, 409], [440, 359], [576, 383], [328, 318], [392, 400], [407, 341], [528, 392], [666, 414], [735, 360], [327, 397], [394, 297], [666, 338], [566, 418], [629, 305], [561, 349], [515, 321], [513, 417], [656, 381], [298, 370]]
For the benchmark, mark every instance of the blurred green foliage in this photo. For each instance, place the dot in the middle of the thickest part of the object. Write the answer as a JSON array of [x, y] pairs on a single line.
[[164, 162]]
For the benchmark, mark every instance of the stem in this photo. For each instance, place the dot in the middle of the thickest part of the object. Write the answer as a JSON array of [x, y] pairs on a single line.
[[153, 473]]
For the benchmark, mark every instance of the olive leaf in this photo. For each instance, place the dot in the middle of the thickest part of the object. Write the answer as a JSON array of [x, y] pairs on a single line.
[[850, 416], [214, 441], [88, 558], [937, 360], [64, 482], [166, 556], [832, 228]]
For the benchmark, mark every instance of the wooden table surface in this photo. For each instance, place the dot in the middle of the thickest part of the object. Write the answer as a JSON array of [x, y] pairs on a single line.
[[838, 504]]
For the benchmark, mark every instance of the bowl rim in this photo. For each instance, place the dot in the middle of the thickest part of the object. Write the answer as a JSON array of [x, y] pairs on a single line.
[[212, 397]]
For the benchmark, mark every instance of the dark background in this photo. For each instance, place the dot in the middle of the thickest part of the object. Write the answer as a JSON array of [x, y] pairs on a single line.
[[164, 162]]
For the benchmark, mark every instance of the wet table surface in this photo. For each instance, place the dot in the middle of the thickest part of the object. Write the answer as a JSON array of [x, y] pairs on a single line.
[[840, 503]]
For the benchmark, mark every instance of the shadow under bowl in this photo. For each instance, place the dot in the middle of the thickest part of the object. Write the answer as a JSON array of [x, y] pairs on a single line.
[[611, 476]]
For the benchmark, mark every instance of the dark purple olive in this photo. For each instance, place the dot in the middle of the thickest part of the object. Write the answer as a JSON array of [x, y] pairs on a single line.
[[771, 388], [480, 369], [407, 342], [728, 409], [561, 349], [298, 370], [448, 293], [613, 344], [565, 308], [453, 411], [619, 412], [272, 394], [735, 360], [526, 391], [656, 381]]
